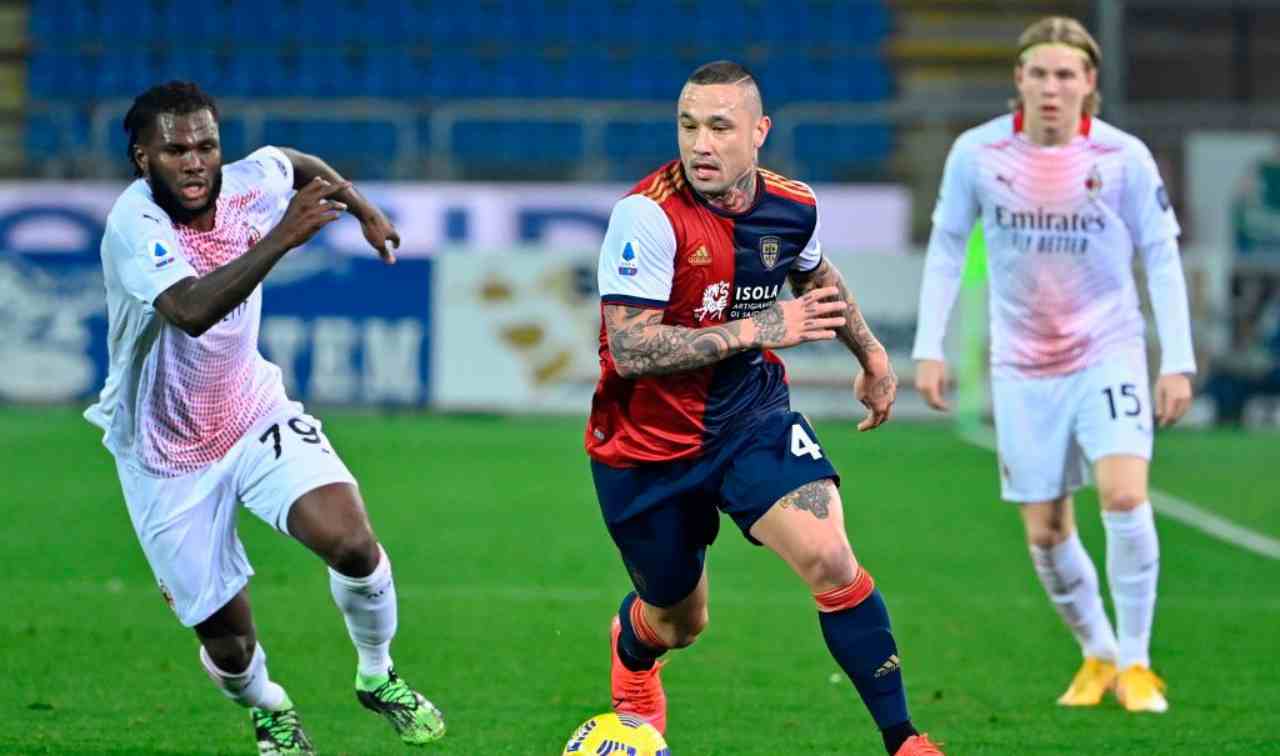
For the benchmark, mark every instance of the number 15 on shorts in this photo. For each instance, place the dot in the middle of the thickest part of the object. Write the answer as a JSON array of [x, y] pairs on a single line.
[[1125, 401]]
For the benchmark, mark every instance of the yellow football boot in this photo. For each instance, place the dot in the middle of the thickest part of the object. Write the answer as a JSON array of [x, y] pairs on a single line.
[[1140, 689], [1095, 678]]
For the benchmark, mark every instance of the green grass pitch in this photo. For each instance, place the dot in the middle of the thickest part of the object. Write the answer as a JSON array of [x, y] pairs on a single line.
[[507, 579]]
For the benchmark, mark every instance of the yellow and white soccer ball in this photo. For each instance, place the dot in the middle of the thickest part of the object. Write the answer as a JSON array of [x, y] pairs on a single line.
[[616, 735]]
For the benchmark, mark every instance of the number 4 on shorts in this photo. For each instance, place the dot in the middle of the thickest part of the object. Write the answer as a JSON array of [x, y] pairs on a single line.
[[802, 444]]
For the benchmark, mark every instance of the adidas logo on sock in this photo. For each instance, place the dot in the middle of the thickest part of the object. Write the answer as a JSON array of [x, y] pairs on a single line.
[[892, 664]]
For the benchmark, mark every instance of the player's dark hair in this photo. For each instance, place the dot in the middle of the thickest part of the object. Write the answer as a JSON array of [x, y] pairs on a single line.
[[176, 97], [726, 72]]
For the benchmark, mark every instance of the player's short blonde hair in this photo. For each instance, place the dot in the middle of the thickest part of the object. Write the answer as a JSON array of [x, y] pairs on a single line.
[[1063, 30]]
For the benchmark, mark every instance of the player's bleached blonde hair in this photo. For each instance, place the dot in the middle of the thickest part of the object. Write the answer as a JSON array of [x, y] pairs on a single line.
[[1062, 30]]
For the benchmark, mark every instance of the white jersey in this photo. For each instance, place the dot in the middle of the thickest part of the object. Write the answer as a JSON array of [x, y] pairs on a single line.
[[1061, 225], [173, 404]]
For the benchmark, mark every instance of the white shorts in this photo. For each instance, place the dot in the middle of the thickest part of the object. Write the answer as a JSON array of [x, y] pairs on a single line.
[[187, 525], [1048, 430]]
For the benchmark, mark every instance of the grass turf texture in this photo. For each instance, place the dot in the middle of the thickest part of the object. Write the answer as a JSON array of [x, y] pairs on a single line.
[[507, 579]]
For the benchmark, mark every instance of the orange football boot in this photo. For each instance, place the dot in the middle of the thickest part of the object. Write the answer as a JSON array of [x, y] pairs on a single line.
[[638, 693], [919, 745]]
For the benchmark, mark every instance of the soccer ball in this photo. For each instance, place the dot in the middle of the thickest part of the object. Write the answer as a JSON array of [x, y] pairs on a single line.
[[616, 735]]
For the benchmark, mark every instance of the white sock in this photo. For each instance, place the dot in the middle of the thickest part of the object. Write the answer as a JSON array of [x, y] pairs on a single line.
[[368, 604], [1133, 565], [252, 687], [1068, 576]]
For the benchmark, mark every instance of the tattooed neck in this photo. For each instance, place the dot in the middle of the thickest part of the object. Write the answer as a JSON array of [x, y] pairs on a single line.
[[738, 196]]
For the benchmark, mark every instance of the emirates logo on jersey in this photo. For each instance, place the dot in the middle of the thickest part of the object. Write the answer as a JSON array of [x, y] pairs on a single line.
[[1093, 184], [715, 300]]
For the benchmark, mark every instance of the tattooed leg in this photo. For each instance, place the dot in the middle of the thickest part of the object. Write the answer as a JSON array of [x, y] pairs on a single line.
[[806, 529], [814, 498]]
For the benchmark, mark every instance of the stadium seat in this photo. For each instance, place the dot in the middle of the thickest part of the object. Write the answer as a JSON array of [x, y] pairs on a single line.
[[417, 51], [841, 152]]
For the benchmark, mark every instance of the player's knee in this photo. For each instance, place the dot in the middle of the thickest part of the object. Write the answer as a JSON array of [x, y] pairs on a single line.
[[829, 567], [230, 653], [354, 553], [1121, 498], [1046, 535]]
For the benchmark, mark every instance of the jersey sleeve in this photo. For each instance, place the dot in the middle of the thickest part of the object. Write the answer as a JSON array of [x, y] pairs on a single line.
[[1168, 290], [144, 253], [1145, 205], [637, 258], [943, 272], [811, 256], [957, 198], [269, 168], [269, 171]]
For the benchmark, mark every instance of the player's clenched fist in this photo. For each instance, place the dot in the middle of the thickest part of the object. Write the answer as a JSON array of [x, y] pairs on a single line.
[[812, 317], [877, 388], [310, 210]]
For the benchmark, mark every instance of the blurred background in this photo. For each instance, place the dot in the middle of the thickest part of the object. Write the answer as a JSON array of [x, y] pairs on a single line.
[[499, 133]]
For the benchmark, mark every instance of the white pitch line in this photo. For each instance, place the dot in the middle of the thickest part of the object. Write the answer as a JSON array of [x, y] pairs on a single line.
[[1178, 509]]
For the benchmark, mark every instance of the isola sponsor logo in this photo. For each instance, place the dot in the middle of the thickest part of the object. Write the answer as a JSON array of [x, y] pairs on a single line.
[[756, 293], [1047, 232], [752, 299]]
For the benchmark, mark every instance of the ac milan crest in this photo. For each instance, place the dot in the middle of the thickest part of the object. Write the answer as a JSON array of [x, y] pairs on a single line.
[[1093, 184]]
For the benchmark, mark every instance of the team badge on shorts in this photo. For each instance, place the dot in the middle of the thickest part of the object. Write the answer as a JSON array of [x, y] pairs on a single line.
[[770, 248]]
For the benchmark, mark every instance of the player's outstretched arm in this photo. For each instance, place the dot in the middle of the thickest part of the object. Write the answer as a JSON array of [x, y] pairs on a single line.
[[876, 386], [641, 345], [378, 229], [195, 304]]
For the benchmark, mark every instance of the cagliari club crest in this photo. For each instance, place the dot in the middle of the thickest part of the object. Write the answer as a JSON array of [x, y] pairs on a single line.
[[770, 249]]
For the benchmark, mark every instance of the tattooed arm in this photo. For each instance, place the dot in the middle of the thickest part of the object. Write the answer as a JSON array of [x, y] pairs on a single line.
[[877, 385], [855, 334], [641, 345]]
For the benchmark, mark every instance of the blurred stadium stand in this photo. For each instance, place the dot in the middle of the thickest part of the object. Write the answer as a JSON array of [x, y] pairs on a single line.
[[583, 90], [599, 73]]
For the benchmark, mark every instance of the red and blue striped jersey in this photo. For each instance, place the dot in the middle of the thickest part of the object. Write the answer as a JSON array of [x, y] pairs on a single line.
[[667, 248]]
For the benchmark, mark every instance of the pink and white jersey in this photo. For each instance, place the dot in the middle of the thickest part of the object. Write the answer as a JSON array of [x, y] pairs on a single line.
[[172, 403], [1061, 225]]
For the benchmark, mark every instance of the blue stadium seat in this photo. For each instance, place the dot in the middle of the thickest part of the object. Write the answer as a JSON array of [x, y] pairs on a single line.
[[44, 136], [842, 152], [419, 50], [533, 143], [636, 148], [356, 148]]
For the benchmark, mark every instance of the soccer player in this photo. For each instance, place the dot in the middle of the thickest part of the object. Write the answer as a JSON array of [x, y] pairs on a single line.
[[1064, 200], [199, 422], [692, 415]]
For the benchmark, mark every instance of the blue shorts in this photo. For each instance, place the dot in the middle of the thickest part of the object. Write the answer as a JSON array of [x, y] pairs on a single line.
[[662, 516]]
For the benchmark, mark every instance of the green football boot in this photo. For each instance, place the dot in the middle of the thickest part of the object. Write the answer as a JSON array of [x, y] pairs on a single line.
[[414, 718], [279, 733]]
